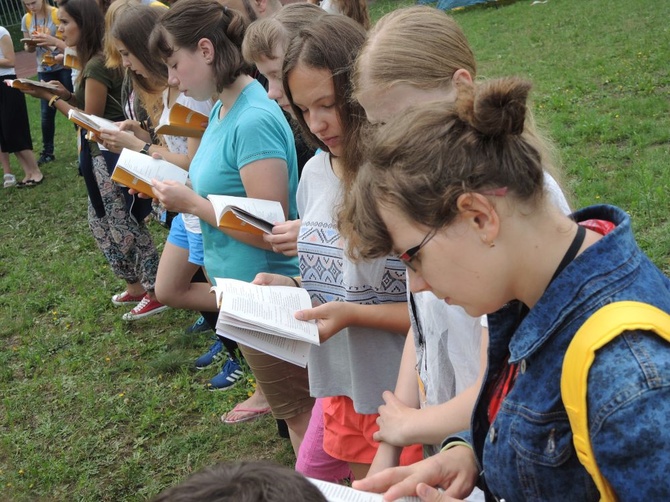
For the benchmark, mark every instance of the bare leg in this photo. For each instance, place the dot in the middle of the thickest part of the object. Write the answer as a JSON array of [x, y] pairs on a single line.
[[297, 426], [359, 470], [173, 282], [4, 160], [135, 288], [29, 165]]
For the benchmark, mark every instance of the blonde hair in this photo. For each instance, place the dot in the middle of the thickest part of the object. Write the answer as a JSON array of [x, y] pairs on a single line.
[[112, 57], [420, 46], [422, 162], [266, 35]]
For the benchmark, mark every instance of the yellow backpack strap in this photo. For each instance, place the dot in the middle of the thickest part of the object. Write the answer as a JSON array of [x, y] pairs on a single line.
[[598, 330]]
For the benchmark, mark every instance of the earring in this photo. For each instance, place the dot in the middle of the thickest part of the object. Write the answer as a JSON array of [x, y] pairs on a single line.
[[486, 241]]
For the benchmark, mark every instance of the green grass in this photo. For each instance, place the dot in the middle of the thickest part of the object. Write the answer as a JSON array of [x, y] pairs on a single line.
[[92, 408]]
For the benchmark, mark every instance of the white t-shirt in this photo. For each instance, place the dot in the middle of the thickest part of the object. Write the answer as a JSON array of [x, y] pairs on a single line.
[[5, 71], [178, 144], [357, 362]]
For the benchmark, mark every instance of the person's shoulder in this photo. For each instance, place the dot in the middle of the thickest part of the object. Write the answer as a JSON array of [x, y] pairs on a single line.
[[4, 32]]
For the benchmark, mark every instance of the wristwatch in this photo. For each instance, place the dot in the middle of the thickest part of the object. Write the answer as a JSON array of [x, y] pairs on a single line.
[[53, 100], [145, 149]]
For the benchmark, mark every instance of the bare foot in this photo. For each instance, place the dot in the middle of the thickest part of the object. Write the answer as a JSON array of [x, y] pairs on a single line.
[[254, 407]]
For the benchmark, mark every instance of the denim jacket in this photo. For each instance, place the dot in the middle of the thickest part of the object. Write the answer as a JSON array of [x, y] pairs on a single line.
[[527, 452]]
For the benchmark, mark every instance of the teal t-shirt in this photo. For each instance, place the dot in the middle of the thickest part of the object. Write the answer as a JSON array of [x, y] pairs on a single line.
[[253, 129]]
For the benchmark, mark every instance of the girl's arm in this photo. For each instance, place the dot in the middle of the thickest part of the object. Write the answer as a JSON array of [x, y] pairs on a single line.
[[432, 424], [263, 179], [407, 391], [332, 317], [9, 58]]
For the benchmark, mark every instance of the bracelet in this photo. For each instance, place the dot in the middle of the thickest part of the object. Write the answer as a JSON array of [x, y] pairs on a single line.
[[145, 149], [68, 98], [53, 100], [297, 284], [452, 444]]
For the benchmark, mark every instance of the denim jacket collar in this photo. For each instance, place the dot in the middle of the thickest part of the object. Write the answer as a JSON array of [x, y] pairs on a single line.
[[580, 277]]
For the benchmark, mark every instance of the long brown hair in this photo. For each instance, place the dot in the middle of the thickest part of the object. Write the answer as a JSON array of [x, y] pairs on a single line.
[[91, 23], [331, 43]]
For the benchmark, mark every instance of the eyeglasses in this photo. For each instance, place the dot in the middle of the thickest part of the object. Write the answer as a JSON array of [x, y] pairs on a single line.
[[411, 253]]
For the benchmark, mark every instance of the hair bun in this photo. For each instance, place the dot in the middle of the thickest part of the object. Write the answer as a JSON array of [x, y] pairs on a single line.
[[496, 108]]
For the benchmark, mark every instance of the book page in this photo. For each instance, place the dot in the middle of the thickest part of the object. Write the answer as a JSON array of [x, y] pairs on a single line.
[[340, 493], [270, 308], [269, 210], [23, 82], [291, 351], [147, 168], [276, 319], [91, 122]]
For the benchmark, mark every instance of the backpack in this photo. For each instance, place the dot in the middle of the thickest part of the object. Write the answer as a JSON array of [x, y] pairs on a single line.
[[54, 18], [602, 327]]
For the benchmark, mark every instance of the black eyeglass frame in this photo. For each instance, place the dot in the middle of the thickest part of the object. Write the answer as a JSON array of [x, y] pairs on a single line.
[[411, 253]]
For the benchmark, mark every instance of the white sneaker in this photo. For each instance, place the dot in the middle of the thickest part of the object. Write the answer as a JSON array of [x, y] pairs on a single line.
[[9, 180]]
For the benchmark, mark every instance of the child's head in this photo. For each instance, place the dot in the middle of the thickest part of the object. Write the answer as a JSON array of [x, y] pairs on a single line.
[[317, 80], [82, 26], [266, 40], [411, 55], [356, 10], [427, 171], [243, 482], [35, 6], [129, 35], [200, 41]]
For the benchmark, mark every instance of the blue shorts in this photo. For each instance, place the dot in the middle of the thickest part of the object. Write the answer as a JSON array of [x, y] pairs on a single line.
[[184, 239]]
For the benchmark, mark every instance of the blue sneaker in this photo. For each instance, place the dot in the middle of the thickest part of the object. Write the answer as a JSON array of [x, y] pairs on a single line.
[[199, 326], [230, 375], [210, 356]]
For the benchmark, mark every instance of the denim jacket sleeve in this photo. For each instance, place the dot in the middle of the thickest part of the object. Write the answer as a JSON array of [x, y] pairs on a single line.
[[629, 422]]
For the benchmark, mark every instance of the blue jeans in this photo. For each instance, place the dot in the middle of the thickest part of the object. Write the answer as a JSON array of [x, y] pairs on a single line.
[[64, 76]]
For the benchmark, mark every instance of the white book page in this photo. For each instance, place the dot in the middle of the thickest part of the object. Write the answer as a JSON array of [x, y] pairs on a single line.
[[93, 121], [340, 493], [268, 210], [147, 168], [292, 351], [268, 307]]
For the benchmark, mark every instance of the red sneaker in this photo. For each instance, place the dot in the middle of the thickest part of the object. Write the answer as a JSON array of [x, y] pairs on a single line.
[[147, 307], [126, 298]]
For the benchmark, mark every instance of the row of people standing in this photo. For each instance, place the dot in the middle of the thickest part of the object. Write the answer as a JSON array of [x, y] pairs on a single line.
[[363, 313]]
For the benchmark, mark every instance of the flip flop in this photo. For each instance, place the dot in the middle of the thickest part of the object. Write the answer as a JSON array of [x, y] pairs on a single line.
[[23, 184], [255, 413], [33, 183]]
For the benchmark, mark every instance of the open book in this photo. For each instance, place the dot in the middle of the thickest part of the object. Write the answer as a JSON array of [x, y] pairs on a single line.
[[254, 216], [91, 123], [262, 317], [23, 84], [340, 493], [184, 122], [136, 170], [30, 42], [70, 59]]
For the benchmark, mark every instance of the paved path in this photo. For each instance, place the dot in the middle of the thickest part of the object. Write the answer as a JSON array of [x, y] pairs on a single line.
[[26, 64]]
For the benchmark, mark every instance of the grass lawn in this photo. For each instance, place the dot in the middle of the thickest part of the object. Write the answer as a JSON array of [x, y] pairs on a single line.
[[92, 408]]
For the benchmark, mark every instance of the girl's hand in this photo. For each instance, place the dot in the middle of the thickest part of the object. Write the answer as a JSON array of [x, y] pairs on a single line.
[[394, 416], [174, 196], [44, 39], [454, 470], [265, 279], [39, 93], [331, 318], [284, 238], [116, 141]]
